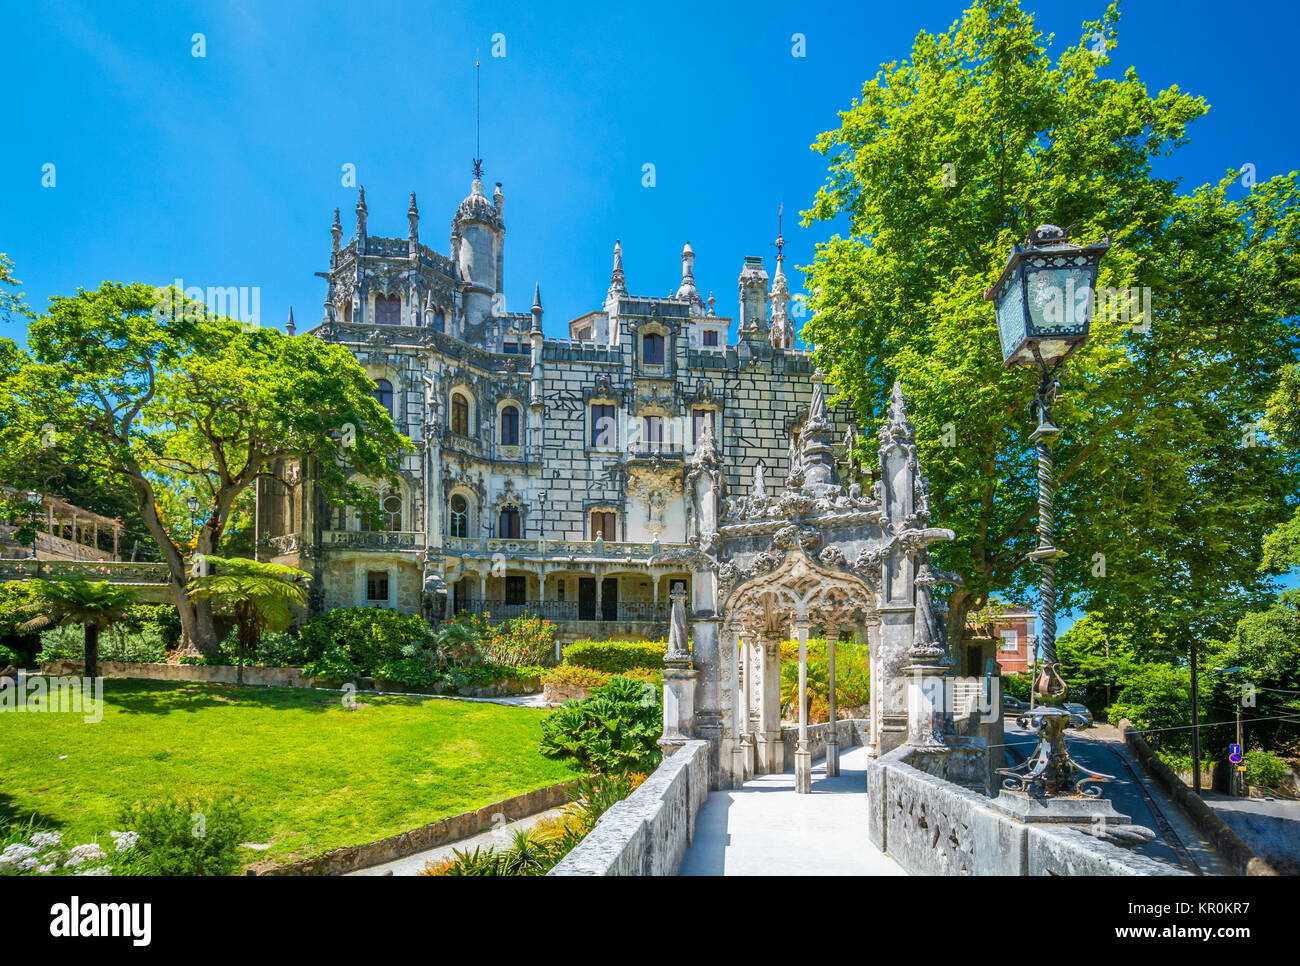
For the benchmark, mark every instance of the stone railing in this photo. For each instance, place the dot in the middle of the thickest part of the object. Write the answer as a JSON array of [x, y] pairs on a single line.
[[930, 826], [118, 572], [541, 549], [649, 831], [570, 610], [373, 539]]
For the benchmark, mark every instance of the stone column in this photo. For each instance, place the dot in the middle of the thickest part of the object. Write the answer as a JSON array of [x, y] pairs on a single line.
[[770, 751], [832, 739], [802, 754], [746, 704], [482, 585], [731, 644], [679, 682]]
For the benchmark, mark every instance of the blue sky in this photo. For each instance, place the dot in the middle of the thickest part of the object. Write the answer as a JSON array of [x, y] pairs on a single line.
[[224, 170]]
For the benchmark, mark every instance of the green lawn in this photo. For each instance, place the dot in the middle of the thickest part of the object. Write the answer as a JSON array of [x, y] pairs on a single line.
[[316, 774]]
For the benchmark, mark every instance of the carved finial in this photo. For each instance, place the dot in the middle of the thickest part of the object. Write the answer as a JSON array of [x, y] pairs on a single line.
[[710, 303], [537, 296], [361, 211], [617, 284], [289, 326], [687, 289]]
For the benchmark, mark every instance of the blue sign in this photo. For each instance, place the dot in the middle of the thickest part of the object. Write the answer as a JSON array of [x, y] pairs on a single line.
[[1234, 754]]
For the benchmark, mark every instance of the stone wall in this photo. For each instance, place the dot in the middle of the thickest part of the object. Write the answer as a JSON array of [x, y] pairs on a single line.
[[648, 832], [931, 826], [849, 732]]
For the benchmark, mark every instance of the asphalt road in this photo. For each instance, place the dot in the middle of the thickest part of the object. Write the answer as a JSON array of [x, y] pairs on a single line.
[[1177, 843]]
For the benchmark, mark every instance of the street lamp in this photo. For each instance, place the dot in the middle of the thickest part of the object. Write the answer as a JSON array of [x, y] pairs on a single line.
[[1044, 303], [192, 503]]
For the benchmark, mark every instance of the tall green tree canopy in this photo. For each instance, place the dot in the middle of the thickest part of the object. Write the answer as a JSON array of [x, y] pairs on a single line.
[[945, 160], [159, 395]]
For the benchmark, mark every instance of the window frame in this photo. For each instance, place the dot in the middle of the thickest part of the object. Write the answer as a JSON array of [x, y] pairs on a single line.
[[598, 411], [460, 414], [512, 438], [373, 578]]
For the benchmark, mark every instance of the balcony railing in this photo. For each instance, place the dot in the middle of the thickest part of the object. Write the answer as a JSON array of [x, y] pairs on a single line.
[[570, 610], [557, 549], [374, 539]]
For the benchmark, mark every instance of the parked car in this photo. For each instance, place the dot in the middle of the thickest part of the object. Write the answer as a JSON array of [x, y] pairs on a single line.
[[1080, 716], [1013, 704]]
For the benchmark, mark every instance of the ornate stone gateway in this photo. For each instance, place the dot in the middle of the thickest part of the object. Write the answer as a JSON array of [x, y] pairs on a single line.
[[817, 556]]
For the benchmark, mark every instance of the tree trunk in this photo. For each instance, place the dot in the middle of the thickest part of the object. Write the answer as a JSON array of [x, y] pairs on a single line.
[[92, 650], [960, 603]]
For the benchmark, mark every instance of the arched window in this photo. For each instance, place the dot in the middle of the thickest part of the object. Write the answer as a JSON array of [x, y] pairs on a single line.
[[459, 415], [510, 426], [388, 311], [508, 524], [383, 394], [392, 507], [652, 349], [459, 516], [439, 322]]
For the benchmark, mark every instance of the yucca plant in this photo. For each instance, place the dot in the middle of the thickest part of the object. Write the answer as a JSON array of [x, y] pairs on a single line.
[[258, 595], [91, 606]]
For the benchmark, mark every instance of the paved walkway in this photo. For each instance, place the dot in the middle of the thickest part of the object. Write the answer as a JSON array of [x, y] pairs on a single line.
[[766, 828], [499, 837]]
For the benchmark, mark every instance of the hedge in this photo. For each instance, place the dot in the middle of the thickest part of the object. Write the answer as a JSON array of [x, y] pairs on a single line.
[[615, 657]]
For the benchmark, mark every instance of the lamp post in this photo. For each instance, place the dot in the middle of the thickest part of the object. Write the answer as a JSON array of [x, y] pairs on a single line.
[[192, 504], [1044, 305], [1236, 769]]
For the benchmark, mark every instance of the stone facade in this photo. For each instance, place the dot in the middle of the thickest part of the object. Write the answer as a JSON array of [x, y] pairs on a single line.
[[547, 472]]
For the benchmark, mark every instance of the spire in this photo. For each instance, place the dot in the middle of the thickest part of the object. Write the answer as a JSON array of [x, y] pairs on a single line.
[[687, 289], [336, 230], [478, 161], [289, 326], [617, 284], [413, 219], [537, 307], [782, 331], [361, 214], [711, 300]]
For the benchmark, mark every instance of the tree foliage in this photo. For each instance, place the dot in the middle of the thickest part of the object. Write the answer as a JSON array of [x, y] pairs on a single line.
[[944, 161], [158, 396]]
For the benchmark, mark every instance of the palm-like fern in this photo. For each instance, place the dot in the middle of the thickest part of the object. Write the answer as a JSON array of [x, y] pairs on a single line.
[[260, 596], [92, 606]]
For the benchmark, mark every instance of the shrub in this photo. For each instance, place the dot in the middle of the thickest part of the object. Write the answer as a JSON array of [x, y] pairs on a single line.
[[274, 649], [116, 643], [188, 836], [354, 641], [615, 730], [1266, 770], [615, 657], [526, 640], [1017, 684], [572, 675]]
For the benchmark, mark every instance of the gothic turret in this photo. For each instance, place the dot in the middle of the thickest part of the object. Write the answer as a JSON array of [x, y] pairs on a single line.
[[479, 234], [289, 327], [782, 331], [361, 220], [336, 232], [687, 289], [753, 299]]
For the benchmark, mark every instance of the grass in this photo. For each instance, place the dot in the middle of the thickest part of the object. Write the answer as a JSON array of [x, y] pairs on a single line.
[[314, 774]]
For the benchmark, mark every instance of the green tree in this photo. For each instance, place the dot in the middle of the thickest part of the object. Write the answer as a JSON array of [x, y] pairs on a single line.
[[943, 162], [159, 395], [1266, 646], [260, 596], [91, 606]]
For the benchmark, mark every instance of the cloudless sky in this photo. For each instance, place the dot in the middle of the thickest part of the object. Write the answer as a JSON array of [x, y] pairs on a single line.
[[225, 170]]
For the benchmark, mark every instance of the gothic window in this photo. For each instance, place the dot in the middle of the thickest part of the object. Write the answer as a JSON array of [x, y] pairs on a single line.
[[603, 427], [508, 524], [439, 322], [699, 418], [652, 430], [583, 334], [377, 586], [392, 507], [515, 589], [388, 311], [383, 394], [711, 337], [459, 414], [459, 516], [510, 426], [510, 347], [602, 525], [652, 349], [347, 311]]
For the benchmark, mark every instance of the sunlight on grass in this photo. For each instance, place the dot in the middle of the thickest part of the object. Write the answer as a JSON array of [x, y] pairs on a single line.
[[316, 775]]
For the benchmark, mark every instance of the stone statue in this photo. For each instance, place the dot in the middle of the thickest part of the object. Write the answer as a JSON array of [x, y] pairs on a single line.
[[760, 482]]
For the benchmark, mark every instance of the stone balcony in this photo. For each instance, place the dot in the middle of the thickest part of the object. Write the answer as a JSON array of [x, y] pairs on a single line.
[[401, 540]]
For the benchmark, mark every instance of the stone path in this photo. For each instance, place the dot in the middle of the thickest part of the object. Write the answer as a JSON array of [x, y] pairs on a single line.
[[765, 828], [499, 837]]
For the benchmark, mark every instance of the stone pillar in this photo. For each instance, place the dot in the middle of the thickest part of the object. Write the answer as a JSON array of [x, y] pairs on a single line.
[[731, 645], [770, 750], [482, 585], [832, 739], [746, 704], [679, 682], [802, 754]]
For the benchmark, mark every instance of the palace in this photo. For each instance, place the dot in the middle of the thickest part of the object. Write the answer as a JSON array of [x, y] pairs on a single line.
[[549, 474]]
